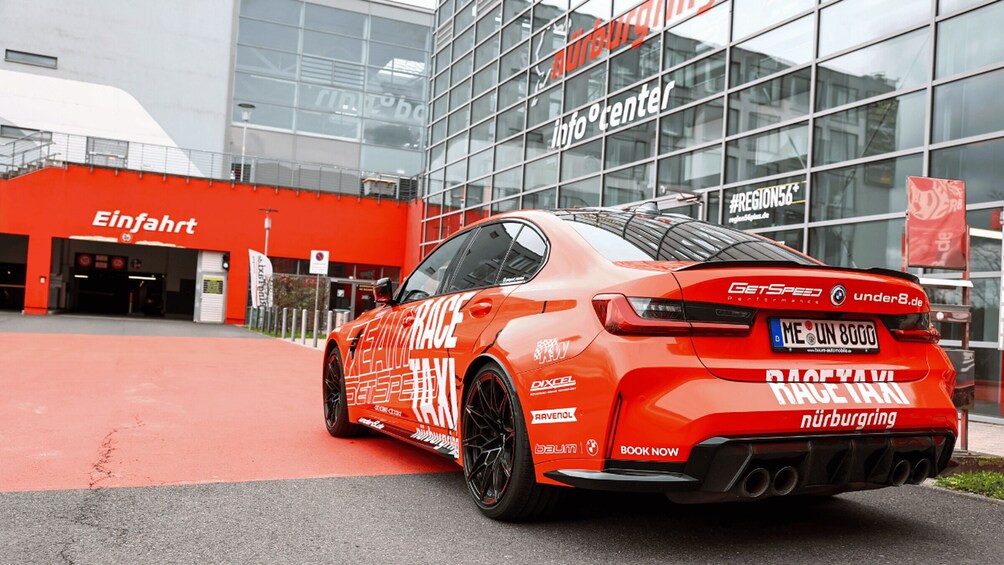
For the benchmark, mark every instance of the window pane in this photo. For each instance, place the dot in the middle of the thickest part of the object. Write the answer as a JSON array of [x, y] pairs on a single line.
[[264, 89], [874, 188], [690, 171], [873, 129], [540, 200], [398, 32], [514, 90], [785, 47], [483, 135], [263, 34], [542, 172], [480, 164], [426, 279], [392, 135], [266, 61], [977, 163], [397, 58], [479, 267], [334, 20], [332, 46], [393, 161], [896, 64], [750, 16], [487, 51], [774, 203], [509, 153], [791, 238], [486, 78], [770, 153], [585, 88], [864, 245], [628, 185], [508, 183], [845, 24], [335, 125], [525, 257], [582, 160], [949, 6], [697, 80], [779, 100], [633, 65], [510, 121], [695, 125], [282, 11], [489, 23], [483, 107], [456, 148], [630, 145], [697, 36], [544, 107], [971, 40], [582, 193], [968, 107], [538, 141]]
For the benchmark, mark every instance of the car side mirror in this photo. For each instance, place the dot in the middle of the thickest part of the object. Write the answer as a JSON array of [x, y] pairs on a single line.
[[382, 291]]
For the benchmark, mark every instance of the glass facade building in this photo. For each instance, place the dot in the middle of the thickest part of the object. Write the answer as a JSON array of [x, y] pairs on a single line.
[[323, 71], [796, 119]]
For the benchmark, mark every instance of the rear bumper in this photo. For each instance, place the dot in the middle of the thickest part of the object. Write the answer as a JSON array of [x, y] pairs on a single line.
[[718, 468]]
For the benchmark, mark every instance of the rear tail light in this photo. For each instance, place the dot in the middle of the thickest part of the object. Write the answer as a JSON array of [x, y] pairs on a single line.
[[656, 316], [915, 327]]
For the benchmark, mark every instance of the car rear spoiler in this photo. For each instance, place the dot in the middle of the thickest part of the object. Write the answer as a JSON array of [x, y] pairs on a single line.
[[789, 264]]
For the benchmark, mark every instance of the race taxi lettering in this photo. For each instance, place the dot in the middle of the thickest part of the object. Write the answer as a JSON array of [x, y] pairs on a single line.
[[855, 419], [550, 350], [828, 375], [838, 393], [551, 386], [553, 416], [556, 449], [648, 451]]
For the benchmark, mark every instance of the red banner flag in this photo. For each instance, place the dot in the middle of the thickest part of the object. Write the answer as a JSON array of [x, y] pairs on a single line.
[[936, 223]]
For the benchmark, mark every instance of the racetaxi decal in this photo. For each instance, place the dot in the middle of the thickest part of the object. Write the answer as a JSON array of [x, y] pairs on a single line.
[[855, 419], [397, 361], [550, 350], [838, 393], [551, 386], [827, 375], [553, 416]]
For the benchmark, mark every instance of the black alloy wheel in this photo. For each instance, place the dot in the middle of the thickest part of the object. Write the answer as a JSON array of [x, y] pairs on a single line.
[[498, 467], [336, 412]]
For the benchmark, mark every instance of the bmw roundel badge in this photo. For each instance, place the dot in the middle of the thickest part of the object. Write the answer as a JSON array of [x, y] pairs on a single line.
[[838, 294]]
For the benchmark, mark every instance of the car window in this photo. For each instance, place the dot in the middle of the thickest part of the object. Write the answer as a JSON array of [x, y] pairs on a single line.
[[432, 272], [626, 236], [483, 259], [525, 257]]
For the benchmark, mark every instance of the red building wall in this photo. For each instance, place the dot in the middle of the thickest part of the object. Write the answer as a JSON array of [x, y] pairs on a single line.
[[63, 203]]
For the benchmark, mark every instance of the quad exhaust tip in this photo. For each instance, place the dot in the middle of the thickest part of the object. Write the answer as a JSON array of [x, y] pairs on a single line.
[[785, 480], [756, 483], [921, 471], [900, 473]]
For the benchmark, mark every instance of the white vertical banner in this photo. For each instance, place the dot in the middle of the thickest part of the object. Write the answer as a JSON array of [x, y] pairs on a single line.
[[261, 279]]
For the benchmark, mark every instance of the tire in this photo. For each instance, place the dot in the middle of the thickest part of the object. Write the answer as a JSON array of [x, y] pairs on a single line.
[[498, 467], [336, 411]]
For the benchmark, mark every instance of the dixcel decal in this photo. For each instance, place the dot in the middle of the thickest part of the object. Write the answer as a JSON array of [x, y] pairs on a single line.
[[550, 386], [553, 416]]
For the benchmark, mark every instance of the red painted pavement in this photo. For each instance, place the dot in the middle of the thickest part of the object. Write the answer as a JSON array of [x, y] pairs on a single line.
[[80, 411]]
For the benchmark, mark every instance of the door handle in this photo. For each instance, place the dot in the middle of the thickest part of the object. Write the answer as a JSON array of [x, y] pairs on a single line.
[[481, 308]]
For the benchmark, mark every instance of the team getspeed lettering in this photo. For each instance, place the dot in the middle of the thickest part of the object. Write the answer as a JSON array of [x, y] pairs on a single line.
[[775, 289]]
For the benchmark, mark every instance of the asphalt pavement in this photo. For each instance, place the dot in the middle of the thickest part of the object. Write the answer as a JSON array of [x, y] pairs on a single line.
[[163, 441]]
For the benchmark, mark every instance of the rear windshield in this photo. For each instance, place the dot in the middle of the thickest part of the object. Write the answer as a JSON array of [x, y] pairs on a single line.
[[627, 236]]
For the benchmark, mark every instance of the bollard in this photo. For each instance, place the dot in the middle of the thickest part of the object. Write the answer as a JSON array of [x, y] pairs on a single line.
[[261, 312], [269, 318], [284, 312], [327, 323], [317, 319], [292, 327], [303, 327], [247, 317]]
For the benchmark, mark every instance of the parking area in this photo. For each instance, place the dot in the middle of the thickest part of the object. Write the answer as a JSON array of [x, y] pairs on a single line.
[[118, 402]]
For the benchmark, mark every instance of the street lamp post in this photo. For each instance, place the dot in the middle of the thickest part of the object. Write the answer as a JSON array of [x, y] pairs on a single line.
[[268, 225], [246, 109]]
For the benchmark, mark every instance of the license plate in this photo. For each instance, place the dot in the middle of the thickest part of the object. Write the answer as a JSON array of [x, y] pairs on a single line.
[[822, 336]]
